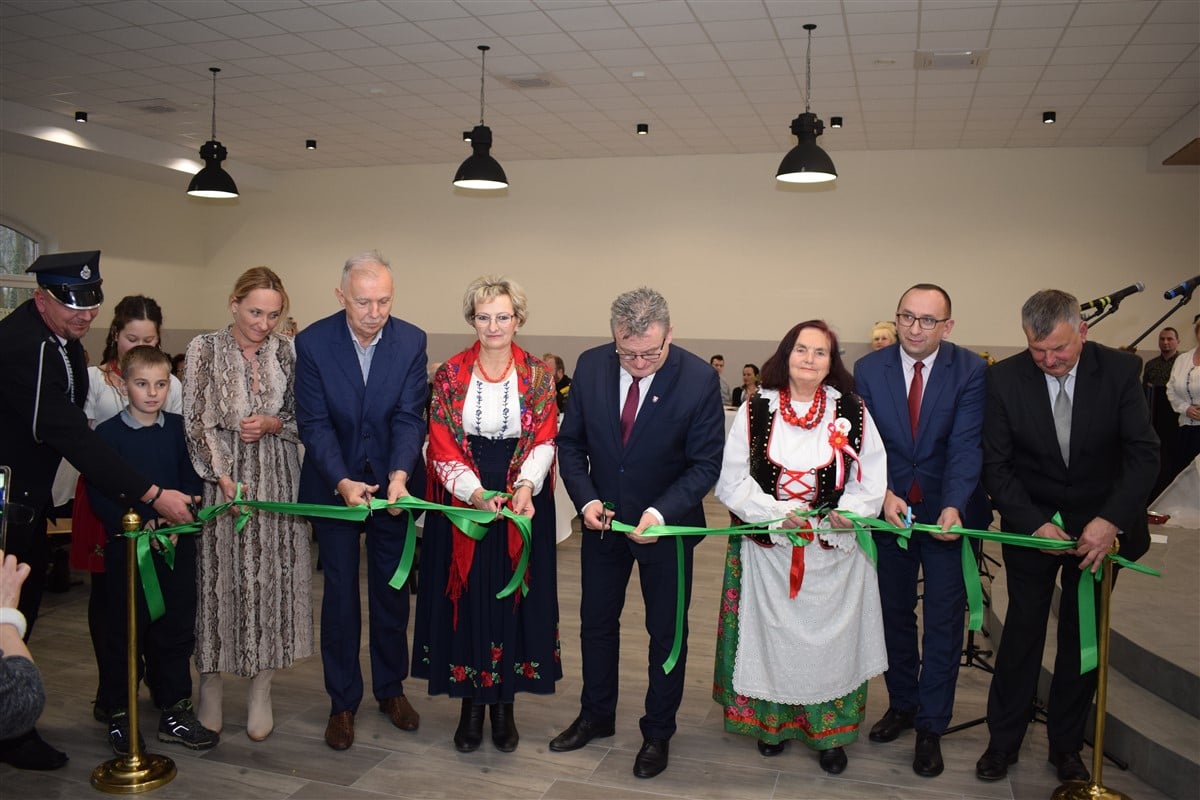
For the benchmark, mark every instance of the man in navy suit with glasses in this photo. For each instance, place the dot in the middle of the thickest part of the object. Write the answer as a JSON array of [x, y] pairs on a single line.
[[641, 443]]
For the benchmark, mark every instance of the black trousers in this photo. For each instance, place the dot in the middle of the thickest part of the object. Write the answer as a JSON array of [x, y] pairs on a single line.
[[28, 542], [1031, 578], [166, 644], [607, 565]]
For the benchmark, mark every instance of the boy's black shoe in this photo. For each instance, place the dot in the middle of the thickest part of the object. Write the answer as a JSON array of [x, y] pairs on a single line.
[[118, 733], [179, 724]]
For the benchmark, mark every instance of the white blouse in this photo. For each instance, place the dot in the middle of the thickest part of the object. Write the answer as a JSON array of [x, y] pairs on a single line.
[[493, 411], [1183, 387], [799, 449]]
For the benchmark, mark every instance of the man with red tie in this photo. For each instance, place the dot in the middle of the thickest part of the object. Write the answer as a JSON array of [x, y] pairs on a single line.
[[641, 443], [926, 397]]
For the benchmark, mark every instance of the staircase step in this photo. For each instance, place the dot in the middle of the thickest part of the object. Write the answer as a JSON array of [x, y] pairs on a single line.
[[1146, 726]]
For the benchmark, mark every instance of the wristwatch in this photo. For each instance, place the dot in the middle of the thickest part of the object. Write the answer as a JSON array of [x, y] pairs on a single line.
[[523, 482]]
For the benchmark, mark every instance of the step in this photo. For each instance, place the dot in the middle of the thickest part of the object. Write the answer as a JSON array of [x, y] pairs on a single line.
[[1156, 736]]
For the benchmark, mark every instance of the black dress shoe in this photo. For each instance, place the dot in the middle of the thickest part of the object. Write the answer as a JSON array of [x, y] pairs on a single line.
[[469, 734], [580, 733], [30, 751], [1070, 766], [927, 760], [504, 727], [993, 764], [833, 761], [891, 725], [651, 759], [769, 750]]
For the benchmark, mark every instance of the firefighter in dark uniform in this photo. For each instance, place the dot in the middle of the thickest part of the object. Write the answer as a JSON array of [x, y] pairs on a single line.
[[43, 386]]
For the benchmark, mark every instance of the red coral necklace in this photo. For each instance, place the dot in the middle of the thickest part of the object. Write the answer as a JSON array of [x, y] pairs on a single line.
[[503, 373], [815, 412]]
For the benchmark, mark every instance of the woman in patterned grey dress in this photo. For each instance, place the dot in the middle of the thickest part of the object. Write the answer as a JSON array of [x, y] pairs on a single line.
[[254, 587]]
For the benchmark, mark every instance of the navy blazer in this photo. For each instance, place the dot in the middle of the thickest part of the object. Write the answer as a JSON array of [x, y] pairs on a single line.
[[1114, 450], [354, 431], [946, 457], [674, 452]]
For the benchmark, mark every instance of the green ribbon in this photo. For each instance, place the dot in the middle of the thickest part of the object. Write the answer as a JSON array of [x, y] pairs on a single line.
[[861, 527], [471, 521], [475, 523]]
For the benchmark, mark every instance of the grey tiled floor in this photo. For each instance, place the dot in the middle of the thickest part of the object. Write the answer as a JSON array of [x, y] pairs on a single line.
[[706, 762]]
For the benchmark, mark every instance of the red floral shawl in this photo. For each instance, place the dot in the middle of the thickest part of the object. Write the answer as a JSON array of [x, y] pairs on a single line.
[[448, 442]]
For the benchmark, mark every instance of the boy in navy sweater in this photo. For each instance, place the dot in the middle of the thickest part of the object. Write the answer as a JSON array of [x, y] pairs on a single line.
[[151, 440]]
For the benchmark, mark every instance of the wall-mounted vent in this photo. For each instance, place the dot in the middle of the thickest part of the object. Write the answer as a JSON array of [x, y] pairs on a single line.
[[950, 59]]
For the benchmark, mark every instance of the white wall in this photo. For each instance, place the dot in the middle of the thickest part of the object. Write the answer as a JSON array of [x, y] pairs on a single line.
[[739, 257]]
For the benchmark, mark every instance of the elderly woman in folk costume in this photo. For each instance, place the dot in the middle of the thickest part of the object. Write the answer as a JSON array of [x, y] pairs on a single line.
[[800, 630], [492, 423]]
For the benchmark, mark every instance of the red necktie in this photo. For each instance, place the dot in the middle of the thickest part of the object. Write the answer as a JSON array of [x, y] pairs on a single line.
[[915, 495], [914, 396], [629, 412]]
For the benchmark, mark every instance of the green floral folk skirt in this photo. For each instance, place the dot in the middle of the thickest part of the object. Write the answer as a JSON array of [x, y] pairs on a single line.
[[821, 726]]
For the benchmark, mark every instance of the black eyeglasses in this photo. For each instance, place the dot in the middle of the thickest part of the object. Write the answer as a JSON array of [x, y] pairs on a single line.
[[647, 357], [926, 323]]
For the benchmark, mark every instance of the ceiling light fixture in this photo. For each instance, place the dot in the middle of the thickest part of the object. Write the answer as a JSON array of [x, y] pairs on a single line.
[[212, 181], [480, 170], [643, 128], [1049, 117], [807, 162], [310, 144], [81, 116], [835, 122]]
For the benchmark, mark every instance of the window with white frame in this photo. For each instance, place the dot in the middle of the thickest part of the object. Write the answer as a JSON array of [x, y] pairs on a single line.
[[17, 252]]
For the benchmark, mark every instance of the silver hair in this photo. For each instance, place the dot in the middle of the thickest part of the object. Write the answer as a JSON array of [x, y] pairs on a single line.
[[634, 312], [363, 259], [1046, 310]]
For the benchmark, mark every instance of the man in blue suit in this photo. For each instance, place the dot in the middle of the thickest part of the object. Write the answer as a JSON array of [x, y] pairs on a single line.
[[360, 397], [641, 443], [926, 396]]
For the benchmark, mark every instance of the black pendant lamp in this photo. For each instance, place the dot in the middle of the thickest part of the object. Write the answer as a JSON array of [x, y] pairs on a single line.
[[212, 181], [480, 170], [807, 162]]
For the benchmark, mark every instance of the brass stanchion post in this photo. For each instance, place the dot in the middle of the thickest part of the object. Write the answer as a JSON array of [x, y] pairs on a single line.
[[138, 771], [1095, 790]]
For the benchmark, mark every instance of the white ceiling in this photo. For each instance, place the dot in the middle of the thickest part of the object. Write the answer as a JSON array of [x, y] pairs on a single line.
[[387, 82]]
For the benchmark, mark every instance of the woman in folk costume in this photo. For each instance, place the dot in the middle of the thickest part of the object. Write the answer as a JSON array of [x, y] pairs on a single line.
[[492, 423], [800, 630]]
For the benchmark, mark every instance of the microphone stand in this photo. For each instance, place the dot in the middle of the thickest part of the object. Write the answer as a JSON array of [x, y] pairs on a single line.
[[1102, 314], [1183, 301]]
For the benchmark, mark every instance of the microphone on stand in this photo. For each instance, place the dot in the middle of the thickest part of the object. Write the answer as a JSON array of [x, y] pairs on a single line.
[[1113, 299], [1187, 287]]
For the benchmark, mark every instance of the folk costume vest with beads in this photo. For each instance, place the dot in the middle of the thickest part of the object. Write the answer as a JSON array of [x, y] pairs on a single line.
[[767, 473]]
